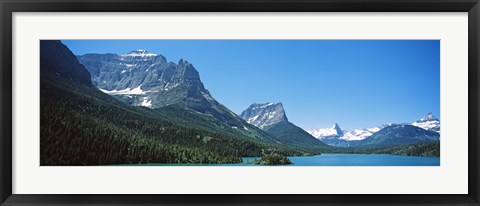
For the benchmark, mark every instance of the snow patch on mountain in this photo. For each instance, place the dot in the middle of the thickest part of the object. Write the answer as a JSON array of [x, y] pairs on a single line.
[[335, 131], [127, 91], [139, 53], [359, 134], [147, 103]]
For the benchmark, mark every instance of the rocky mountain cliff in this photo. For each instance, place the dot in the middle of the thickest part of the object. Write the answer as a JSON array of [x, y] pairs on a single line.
[[264, 115], [271, 118], [140, 78]]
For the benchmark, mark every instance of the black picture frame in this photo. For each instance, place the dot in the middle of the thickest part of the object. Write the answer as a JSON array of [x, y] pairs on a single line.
[[7, 7]]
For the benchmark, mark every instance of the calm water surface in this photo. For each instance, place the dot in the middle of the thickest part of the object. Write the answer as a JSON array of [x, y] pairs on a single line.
[[334, 160], [358, 160]]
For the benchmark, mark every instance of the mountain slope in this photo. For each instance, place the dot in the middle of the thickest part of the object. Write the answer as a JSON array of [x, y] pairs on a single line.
[[272, 118], [186, 115], [140, 78], [57, 59], [399, 135], [294, 136], [80, 125]]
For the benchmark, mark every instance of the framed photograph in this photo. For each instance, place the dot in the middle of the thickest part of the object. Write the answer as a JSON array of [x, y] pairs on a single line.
[[228, 102]]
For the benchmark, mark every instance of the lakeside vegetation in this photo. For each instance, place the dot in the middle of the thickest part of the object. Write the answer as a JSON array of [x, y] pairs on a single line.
[[429, 149], [271, 157]]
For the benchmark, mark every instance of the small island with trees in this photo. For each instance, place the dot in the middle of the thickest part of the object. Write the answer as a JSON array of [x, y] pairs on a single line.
[[272, 158]]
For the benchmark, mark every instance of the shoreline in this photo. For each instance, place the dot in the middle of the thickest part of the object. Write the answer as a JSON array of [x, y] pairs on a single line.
[[327, 156]]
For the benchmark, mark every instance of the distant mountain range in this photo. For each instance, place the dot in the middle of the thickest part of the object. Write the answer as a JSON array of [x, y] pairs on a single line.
[[335, 136], [272, 118], [400, 134]]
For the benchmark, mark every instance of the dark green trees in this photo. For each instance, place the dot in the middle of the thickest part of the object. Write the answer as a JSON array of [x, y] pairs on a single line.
[[271, 157]]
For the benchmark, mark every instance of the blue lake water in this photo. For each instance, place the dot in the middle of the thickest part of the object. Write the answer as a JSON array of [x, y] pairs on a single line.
[[332, 160], [357, 160]]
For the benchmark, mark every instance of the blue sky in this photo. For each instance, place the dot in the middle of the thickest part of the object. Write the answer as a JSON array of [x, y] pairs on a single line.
[[356, 83]]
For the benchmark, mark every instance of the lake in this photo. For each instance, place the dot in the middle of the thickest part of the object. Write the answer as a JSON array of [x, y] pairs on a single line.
[[332, 160], [357, 160]]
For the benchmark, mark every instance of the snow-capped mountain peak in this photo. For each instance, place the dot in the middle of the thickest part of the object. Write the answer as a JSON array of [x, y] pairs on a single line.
[[360, 134], [429, 122], [334, 131], [429, 117], [334, 136], [263, 115], [139, 53], [337, 133]]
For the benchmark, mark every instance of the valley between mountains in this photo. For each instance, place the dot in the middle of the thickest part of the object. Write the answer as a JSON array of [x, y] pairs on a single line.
[[139, 108]]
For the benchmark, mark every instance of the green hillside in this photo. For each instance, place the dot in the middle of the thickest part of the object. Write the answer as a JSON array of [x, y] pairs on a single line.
[[294, 136], [82, 126]]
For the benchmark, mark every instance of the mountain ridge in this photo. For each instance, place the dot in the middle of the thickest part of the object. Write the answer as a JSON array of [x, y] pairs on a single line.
[[264, 115], [354, 137], [429, 122], [272, 118], [140, 78], [57, 59], [400, 134]]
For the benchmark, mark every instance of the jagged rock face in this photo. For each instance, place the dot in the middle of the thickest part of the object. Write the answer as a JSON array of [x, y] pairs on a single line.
[[140, 78], [119, 72], [429, 122], [57, 59], [264, 115], [146, 79]]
